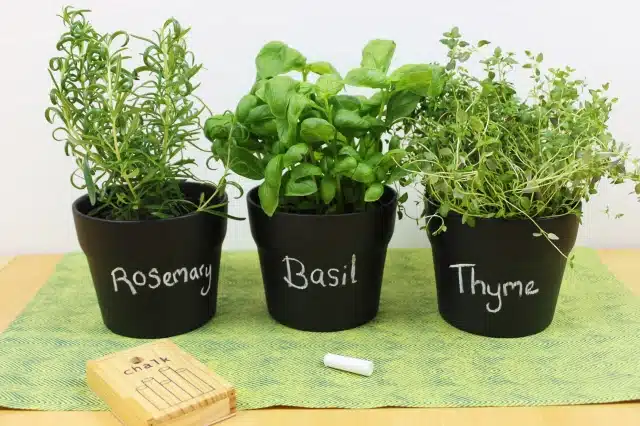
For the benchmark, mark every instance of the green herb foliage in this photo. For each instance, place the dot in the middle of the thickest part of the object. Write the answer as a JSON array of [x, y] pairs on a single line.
[[318, 149], [128, 133], [485, 152]]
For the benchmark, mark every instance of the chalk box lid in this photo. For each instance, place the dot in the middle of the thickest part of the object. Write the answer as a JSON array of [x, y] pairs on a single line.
[[160, 384]]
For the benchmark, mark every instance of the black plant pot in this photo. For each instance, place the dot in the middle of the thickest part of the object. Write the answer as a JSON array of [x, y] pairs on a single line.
[[496, 279], [323, 272], [154, 278]]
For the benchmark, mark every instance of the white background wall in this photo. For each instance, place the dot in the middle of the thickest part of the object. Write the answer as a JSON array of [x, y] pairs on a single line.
[[598, 38]]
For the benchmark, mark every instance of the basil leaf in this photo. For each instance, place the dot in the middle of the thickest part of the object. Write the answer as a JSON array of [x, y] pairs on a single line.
[[246, 104], [322, 68], [401, 105], [218, 126], [277, 92], [244, 163], [328, 189], [277, 58], [414, 77], [300, 181], [346, 120], [363, 173], [316, 130], [366, 77], [377, 54], [330, 84], [295, 154], [374, 192]]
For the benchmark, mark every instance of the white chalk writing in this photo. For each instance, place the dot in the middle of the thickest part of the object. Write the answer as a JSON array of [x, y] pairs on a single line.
[[502, 289]]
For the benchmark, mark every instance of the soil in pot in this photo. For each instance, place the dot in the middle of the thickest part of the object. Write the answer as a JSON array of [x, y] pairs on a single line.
[[323, 272], [154, 278], [497, 279]]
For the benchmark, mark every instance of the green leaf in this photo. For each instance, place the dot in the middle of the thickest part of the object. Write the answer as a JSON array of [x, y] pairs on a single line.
[[461, 116], [350, 151], [265, 128], [393, 156], [297, 105], [295, 154], [345, 165], [246, 104], [483, 43], [365, 77], [301, 188], [539, 58], [637, 189], [277, 58], [476, 124], [397, 174], [394, 142], [316, 130], [403, 198], [373, 102], [322, 68], [330, 84], [374, 192], [305, 88], [377, 54], [258, 114], [346, 120], [282, 126], [552, 236], [375, 123], [374, 159], [88, 179], [401, 105], [277, 92], [414, 77], [328, 189], [244, 163], [300, 181], [218, 127], [363, 173], [347, 102], [273, 171], [269, 197]]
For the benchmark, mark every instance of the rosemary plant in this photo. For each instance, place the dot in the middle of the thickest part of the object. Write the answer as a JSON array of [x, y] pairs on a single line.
[[128, 128]]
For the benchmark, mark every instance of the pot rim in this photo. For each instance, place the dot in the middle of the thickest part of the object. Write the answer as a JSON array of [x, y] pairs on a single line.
[[254, 191], [499, 219], [84, 216]]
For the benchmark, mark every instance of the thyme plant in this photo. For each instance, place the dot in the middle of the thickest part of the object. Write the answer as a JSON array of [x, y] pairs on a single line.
[[483, 151], [128, 128]]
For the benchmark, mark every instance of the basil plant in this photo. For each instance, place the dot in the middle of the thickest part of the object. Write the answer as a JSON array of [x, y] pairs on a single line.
[[316, 148]]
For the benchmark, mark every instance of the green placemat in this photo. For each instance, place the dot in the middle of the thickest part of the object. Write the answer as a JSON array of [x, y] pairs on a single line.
[[591, 353]]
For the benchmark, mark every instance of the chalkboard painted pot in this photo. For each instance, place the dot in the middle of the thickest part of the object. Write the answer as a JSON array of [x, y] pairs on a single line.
[[154, 278], [496, 279], [323, 272]]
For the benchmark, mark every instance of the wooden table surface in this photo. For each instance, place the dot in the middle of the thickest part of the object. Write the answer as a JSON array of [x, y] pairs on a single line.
[[22, 276]]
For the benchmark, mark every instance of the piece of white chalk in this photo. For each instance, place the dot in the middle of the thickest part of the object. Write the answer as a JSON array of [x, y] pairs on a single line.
[[345, 363]]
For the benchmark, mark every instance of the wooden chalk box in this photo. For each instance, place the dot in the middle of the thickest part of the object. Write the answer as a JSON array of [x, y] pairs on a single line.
[[160, 384]]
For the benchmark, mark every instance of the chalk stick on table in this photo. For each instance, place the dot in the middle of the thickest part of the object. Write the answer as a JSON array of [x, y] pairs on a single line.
[[353, 365]]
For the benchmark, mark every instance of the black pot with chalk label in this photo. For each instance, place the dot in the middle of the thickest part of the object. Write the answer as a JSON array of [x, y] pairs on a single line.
[[497, 278], [323, 272], [154, 278]]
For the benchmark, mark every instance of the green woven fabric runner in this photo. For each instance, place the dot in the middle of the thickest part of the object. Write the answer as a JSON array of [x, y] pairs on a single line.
[[591, 353]]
